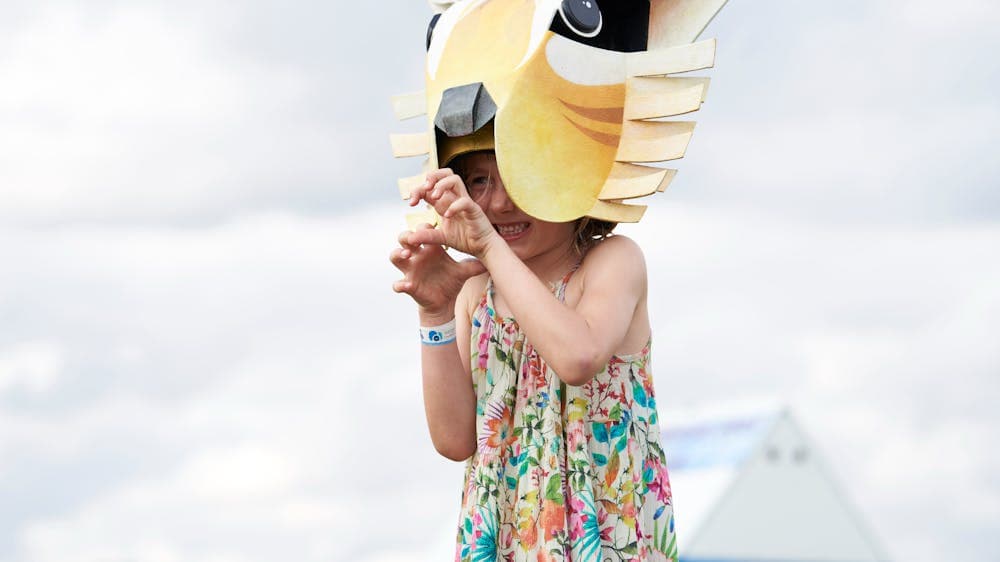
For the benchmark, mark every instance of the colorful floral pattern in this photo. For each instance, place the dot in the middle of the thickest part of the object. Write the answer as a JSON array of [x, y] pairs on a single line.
[[561, 473]]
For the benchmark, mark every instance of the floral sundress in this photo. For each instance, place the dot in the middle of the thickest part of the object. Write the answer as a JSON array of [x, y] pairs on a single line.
[[561, 473]]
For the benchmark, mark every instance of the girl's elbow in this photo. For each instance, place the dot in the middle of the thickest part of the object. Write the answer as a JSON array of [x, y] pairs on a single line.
[[455, 451], [582, 370]]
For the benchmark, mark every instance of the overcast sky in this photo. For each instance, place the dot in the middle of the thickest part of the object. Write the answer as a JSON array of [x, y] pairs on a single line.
[[201, 359]]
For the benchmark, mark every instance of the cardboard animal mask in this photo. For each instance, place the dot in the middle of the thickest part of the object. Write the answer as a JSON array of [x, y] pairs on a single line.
[[572, 95]]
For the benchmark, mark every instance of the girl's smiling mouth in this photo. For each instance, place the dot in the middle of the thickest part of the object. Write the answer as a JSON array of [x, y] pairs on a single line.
[[512, 230]]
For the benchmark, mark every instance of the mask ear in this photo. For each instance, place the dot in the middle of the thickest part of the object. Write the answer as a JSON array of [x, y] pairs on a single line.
[[440, 5], [678, 22]]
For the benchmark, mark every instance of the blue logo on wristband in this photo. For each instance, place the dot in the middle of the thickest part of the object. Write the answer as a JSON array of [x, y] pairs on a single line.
[[438, 335]]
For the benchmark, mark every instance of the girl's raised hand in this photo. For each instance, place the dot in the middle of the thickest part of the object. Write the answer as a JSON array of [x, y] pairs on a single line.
[[464, 226], [430, 276]]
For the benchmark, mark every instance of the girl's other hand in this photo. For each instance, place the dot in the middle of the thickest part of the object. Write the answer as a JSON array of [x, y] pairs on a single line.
[[464, 226], [430, 276]]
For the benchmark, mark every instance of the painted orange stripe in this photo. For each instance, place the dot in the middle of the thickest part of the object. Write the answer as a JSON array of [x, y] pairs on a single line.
[[605, 114], [603, 138]]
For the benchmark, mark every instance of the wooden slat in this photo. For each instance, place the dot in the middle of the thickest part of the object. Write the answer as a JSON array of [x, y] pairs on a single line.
[[413, 220], [654, 141], [628, 181], [649, 98], [407, 185], [406, 145], [671, 60], [406, 106], [616, 212]]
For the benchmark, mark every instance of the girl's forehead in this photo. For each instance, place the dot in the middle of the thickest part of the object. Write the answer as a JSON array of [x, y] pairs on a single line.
[[482, 159], [481, 163]]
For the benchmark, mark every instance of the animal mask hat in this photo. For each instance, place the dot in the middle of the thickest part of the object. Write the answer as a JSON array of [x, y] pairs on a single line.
[[571, 94]]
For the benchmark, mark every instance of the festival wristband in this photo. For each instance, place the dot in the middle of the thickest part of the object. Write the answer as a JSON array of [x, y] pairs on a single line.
[[438, 335]]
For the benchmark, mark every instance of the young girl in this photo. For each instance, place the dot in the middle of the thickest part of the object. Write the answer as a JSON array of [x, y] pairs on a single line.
[[536, 370]]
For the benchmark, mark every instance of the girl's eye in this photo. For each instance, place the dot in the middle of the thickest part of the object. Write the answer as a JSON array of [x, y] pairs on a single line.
[[582, 16], [477, 185]]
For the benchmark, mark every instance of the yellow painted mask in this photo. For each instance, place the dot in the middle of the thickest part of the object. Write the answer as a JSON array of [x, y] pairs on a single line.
[[573, 95]]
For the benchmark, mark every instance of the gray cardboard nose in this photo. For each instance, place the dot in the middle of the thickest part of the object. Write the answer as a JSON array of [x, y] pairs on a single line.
[[464, 110]]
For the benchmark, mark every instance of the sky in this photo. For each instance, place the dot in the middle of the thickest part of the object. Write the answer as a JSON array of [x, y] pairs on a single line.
[[201, 358]]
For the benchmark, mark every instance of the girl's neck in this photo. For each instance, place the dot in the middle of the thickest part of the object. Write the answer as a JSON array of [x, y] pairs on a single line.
[[553, 264]]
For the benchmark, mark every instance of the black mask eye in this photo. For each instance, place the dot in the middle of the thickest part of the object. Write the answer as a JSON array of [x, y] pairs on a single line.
[[582, 16], [430, 29], [619, 25]]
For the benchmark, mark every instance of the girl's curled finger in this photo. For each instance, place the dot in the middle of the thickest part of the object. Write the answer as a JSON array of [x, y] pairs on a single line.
[[437, 175], [460, 187], [398, 257], [402, 286], [417, 193], [464, 206], [429, 236], [405, 240]]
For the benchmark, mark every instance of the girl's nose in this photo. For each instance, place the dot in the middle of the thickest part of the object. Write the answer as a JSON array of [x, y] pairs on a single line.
[[499, 201]]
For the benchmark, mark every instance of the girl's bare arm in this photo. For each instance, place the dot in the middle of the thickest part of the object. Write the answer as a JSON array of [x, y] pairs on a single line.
[[436, 283], [449, 399], [576, 342]]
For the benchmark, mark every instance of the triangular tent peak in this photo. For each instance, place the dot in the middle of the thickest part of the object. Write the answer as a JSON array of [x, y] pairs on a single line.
[[753, 486]]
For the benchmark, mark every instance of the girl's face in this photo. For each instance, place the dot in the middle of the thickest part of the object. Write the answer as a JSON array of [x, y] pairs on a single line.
[[526, 235]]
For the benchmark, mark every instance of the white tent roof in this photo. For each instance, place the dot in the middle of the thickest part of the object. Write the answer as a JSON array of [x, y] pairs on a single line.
[[748, 485]]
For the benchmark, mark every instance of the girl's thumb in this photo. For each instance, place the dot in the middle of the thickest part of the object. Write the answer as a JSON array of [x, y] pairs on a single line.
[[471, 267]]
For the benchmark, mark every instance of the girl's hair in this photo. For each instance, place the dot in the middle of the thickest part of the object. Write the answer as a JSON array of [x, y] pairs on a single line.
[[588, 231], [460, 163]]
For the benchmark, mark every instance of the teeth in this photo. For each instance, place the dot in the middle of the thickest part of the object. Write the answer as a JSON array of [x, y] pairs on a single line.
[[511, 229]]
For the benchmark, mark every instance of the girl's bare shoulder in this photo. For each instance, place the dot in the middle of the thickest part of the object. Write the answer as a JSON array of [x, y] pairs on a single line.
[[612, 264], [617, 252]]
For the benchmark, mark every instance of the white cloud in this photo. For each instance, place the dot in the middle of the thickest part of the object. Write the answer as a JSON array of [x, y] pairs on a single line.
[[260, 385], [882, 339], [238, 473], [136, 114], [857, 112], [240, 391], [947, 22], [263, 378], [32, 365], [854, 112]]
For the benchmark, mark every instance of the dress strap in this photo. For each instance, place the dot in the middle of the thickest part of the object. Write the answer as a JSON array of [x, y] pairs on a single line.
[[563, 388], [489, 292], [561, 287]]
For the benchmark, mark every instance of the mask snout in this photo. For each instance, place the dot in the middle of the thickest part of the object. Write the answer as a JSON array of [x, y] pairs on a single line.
[[464, 110]]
